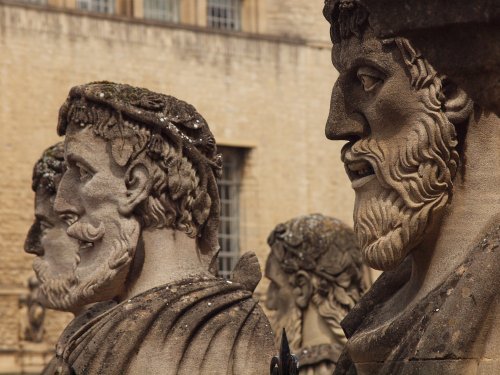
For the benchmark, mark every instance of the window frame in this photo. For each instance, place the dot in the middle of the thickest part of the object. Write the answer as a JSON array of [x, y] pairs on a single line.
[[229, 185], [97, 6], [225, 14], [170, 12]]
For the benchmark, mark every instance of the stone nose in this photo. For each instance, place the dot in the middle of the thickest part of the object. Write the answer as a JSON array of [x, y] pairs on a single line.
[[66, 202], [32, 244], [344, 122]]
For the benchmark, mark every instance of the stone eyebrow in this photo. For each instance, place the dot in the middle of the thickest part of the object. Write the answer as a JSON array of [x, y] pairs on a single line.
[[74, 159], [371, 62]]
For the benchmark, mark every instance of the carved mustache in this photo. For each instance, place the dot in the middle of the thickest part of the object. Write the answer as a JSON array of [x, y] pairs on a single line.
[[86, 232]]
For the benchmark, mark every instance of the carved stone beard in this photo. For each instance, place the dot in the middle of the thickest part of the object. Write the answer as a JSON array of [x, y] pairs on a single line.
[[53, 289], [416, 182], [75, 291], [292, 323]]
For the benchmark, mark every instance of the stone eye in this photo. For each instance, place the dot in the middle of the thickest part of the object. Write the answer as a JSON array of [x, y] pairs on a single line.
[[85, 174], [369, 78]]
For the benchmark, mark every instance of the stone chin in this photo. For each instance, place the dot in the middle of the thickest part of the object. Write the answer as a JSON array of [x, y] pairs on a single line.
[[377, 225], [96, 281], [387, 228], [377, 210], [55, 290], [104, 278]]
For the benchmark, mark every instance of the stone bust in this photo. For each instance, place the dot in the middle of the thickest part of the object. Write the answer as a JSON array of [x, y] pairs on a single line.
[[424, 163], [316, 278], [140, 196], [56, 252], [57, 255]]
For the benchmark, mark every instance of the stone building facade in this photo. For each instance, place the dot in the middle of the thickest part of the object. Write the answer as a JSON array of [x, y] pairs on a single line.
[[262, 85]]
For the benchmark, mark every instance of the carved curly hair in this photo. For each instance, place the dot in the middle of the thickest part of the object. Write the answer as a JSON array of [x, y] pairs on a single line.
[[48, 169], [170, 138]]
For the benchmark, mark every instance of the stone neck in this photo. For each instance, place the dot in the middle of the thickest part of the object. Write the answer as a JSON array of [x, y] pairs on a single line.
[[473, 209], [169, 256]]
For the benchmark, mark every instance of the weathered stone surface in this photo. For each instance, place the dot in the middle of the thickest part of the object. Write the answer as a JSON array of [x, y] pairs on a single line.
[[316, 278], [424, 163], [199, 325], [140, 196], [460, 38], [56, 252], [244, 72]]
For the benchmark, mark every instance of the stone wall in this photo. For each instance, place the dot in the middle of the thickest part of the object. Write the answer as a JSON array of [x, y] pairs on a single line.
[[268, 93], [297, 18]]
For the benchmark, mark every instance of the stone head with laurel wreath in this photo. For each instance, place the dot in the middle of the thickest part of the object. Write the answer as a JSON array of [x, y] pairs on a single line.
[[136, 161], [314, 265]]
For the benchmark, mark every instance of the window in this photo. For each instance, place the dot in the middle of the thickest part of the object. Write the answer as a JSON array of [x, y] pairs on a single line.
[[224, 14], [229, 226], [101, 6], [163, 10], [40, 2]]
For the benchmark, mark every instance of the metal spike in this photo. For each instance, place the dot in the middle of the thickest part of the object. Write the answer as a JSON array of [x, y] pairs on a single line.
[[285, 363]]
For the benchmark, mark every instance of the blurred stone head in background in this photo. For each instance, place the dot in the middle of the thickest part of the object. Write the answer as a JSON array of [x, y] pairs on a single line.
[[316, 278]]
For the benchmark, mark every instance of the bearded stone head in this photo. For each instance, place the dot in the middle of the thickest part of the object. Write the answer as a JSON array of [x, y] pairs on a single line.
[[56, 252], [405, 126], [136, 161], [314, 264]]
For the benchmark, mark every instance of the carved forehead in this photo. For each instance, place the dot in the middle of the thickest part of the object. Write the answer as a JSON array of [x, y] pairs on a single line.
[[274, 272], [368, 49], [44, 206], [81, 143], [43, 202]]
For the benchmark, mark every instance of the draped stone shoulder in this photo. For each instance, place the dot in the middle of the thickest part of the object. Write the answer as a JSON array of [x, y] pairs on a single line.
[[197, 326], [430, 331]]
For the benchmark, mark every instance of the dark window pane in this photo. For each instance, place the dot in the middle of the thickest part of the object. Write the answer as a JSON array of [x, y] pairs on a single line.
[[229, 185], [224, 14]]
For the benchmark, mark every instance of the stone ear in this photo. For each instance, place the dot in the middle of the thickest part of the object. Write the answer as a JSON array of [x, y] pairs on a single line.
[[457, 105], [138, 182], [303, 289]]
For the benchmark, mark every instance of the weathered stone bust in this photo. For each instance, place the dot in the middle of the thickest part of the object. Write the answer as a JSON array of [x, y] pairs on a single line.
[[425, 166], [140, 196], [47, 239], [316, 278], [56, 252], [57, 255]]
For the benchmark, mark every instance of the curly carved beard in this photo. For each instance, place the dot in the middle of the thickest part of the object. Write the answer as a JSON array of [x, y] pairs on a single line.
[[67, 292], [416, 181], [53, 289]]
